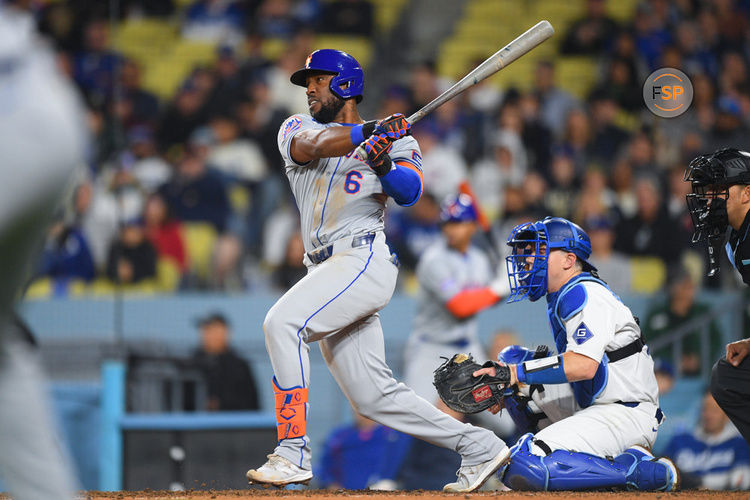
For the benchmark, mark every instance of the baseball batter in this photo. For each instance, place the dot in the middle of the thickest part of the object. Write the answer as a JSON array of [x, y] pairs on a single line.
[[42, 139], [456, 282], [351, 276], [599, 392]]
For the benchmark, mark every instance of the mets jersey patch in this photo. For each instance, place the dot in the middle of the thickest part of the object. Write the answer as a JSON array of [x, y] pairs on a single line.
[[290, 126], [582, 333]]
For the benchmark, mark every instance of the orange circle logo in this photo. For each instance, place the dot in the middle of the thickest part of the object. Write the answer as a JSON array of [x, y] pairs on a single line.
[[668, 92]]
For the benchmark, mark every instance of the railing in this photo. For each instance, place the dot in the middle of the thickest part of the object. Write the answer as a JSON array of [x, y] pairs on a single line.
[[732, 309]]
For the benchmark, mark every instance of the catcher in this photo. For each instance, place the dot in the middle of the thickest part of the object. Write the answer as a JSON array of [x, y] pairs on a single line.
[[598, 396]]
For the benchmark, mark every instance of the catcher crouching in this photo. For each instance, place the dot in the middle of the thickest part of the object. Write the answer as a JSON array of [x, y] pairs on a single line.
[[591, 412]]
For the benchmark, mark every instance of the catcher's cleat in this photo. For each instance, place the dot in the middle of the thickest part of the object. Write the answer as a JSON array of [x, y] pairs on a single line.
[[278, 471], [472, 477]]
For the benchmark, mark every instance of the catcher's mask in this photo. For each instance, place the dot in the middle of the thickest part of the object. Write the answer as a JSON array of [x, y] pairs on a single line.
[[710, 176], [531, 243]]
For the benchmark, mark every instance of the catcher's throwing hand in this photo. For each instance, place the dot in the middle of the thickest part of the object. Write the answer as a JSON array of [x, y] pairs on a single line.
[[394, 127], [461, 391]]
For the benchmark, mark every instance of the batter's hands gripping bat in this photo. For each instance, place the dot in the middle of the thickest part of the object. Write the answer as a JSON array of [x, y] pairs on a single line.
[[533, 37]]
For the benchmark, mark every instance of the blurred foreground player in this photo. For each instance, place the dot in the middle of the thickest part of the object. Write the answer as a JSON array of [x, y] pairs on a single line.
[[41, 141], [351, 276], [599, 392], [721, 198]]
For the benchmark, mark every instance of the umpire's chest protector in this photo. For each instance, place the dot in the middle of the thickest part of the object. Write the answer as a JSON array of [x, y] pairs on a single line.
[[561, 307]]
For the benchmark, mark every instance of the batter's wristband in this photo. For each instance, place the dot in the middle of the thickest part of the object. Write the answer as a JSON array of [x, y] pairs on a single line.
[[359, 132]]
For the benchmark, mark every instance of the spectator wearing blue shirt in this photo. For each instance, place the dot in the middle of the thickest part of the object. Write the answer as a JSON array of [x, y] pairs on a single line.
[[197, 193], [362, 455], [67, 255], [714, 456]]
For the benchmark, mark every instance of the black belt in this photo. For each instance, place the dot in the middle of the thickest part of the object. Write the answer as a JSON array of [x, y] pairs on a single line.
[[623, 352], [322, 254]]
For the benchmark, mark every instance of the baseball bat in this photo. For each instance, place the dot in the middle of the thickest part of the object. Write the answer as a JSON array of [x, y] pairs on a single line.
[[527, 41], [533, 37]]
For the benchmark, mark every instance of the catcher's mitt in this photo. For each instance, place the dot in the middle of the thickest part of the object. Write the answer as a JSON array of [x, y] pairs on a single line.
[[464, 393]]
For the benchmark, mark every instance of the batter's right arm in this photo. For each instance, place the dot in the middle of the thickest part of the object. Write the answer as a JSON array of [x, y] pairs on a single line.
[[312, 144]]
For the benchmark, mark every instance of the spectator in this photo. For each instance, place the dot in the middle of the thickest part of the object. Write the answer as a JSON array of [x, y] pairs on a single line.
[[229, 380], [411, 231], [145, 105], [238, 158], [132, 258], [607, 136], [560, 196], [729, 130], [592, 34], [679, 309], [197, 193], [536, 136], [612, 266], [490, 176], [291, 269], [149, 169], [714, 456], [649, 231], [66, 255], [362, 455], [182, 116], [95, 67], [444, 169], [214, 21], [664, 372], [353, 17], [554, 102], [164, 232]]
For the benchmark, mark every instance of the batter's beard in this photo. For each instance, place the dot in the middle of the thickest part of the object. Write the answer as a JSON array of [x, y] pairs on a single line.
[[329, 110]]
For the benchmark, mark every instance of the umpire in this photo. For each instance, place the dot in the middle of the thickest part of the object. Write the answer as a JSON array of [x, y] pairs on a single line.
[[721, 198]]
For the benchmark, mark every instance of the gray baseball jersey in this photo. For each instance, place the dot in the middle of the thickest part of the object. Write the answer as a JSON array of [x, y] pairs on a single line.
[[42, 138], [337, 197], [443, 272], [336, 304]]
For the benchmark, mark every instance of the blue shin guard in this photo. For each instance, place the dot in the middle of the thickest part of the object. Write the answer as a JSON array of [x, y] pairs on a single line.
[[565, 470]]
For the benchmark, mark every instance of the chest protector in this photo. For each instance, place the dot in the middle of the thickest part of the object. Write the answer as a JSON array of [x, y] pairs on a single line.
[[563, 305]]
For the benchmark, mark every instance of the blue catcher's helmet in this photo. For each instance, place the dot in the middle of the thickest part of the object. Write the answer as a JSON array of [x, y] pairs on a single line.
[[349, 79], [459, 208], [527, 241]]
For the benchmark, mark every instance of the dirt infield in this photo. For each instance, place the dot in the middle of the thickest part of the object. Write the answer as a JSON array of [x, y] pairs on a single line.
[[421, 495]]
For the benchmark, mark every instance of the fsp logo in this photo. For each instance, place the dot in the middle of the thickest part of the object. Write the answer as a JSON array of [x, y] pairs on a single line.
[[668, 92]]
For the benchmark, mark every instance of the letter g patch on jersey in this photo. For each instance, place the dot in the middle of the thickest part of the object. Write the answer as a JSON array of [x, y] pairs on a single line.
[[582, 333]]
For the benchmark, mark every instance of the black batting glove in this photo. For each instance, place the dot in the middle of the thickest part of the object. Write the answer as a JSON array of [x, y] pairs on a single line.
[[394, 127], [377, 147]]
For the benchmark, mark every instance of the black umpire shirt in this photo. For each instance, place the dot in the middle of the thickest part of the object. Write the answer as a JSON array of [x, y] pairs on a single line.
[[738, 249]]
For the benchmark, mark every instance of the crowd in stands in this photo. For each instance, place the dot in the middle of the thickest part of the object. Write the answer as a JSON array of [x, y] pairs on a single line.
[[189, 191]]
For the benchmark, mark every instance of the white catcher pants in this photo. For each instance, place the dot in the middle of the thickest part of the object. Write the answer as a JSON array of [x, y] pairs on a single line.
[[601, 429], [337, 304]]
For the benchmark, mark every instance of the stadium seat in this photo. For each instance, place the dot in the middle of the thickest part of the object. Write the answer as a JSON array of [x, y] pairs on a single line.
[[200, 238], [649, 274], [167, 275]]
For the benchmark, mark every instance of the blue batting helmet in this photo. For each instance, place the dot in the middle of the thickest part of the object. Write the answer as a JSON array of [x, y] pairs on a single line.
[[555, 233], [458, 209], [349, 79]]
